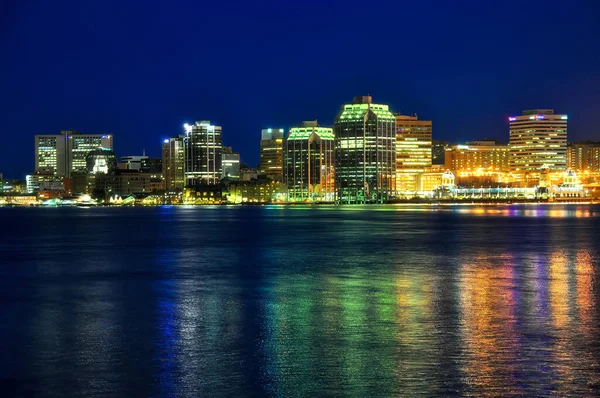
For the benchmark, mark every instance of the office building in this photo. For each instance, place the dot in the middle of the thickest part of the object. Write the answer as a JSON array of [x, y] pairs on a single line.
[[584, 157], [271, 153], [173, 163], [64, 154], [308, 163], [203, 153], [438, 150], [101, 161], [538, 138], [365, 152], [231, 163], [133, 162], [478, 156], [413, 151]]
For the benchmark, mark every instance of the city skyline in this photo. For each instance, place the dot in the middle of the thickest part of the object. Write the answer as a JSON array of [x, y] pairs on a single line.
[[89, 67]]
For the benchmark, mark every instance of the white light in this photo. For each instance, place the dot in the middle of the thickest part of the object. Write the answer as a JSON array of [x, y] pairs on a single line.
[[188, 128], [270, 130]]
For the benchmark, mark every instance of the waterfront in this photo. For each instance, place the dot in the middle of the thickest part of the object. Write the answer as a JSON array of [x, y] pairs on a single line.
[[299, 301]]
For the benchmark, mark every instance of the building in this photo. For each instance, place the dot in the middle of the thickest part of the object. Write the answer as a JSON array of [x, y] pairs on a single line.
[[260, 190], [438, 151], [271, 153], [308, 163], [365, 152], [203, 153], [101, 160], [173, 163], [584, 157], [151, 165], [413, 151], [538, 138], [231, 163], [127, 182], [477, 156], [65, 153]]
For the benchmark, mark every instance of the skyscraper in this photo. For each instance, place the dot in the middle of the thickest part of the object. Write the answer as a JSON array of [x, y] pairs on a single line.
[[64, 154], [271, 153], [308, 163], [365, 159], [538, 138], [203, 153], [413, 151], [173, 163]]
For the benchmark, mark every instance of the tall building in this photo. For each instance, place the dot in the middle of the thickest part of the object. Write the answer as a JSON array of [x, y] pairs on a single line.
[[438, 151], [64, 154], [413, 151], [365, 152], [485, 156], [308, 163], [271, 153], [203, 153], [231, 163], [173, 163], [584, 157], [538, 138]]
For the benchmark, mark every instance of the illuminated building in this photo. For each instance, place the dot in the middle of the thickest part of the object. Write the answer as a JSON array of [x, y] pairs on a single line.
[[308, 163], [173, 163], [64, 154], [365, 152], [231, 163], [203, 153], [538, 137], [483, 156], [271, 153], [101, 160], [261, 190], [413, 151], [584, 157], [438, 150]]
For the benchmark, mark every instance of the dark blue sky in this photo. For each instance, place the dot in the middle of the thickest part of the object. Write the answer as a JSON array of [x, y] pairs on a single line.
[[139, 70]]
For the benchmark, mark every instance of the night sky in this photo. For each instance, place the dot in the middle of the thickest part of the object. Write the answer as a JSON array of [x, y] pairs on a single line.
[[139, 70]]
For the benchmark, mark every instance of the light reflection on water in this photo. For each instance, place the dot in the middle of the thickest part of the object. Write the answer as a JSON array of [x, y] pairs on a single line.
[[384, 301]]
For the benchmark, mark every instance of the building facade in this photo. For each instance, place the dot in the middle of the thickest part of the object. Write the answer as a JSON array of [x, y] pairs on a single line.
[[309, 163], [485, 156], [538, 138], [64, 154], [271, 153], [365, 152], [203, 153], [413, 151], [584, 157], [173, 163], [231, 163], [438, 151]]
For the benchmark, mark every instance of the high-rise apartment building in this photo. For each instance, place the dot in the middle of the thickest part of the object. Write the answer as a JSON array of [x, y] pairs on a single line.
[[173, 163], [271, 153], [584, 157], [64, 154], [308, 163], [231, 163], [413, 151], [203, 153], [484, 156], [538, 138], [365, 152]]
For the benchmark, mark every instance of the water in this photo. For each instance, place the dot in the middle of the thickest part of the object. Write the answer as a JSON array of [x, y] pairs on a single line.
[[275, 301]]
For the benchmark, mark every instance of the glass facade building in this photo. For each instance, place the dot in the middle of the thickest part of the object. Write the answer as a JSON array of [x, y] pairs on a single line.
[[203, 153], [309, 163], [413, 151], [173, 163], [538, 138], [365, 152], [271, 153]]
